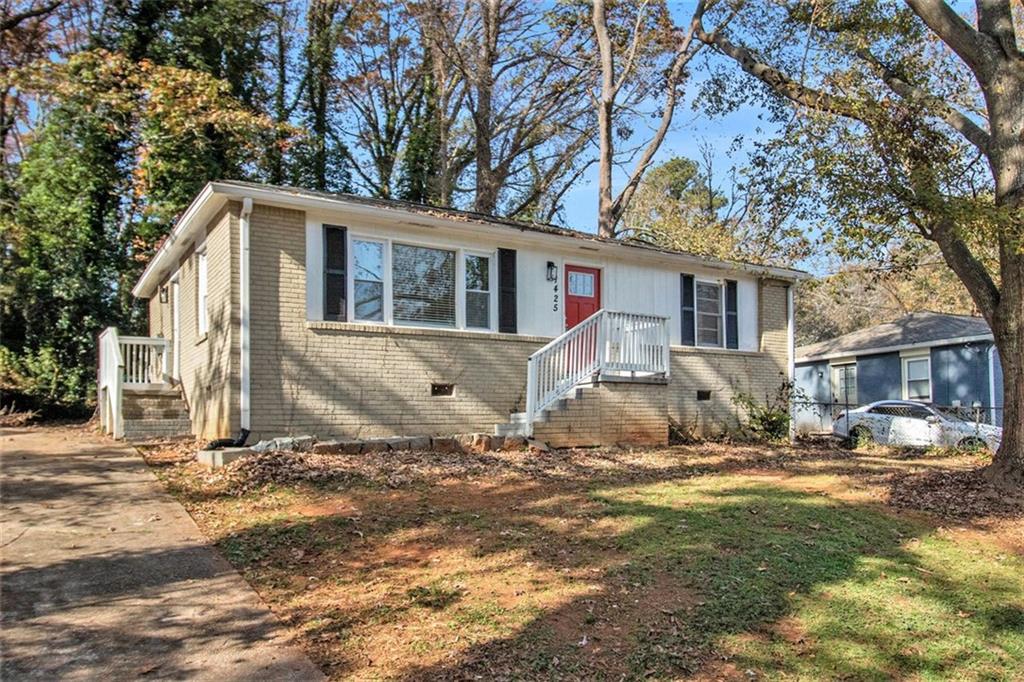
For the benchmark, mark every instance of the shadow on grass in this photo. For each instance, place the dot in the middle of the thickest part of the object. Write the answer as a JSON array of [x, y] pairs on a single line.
[[690, 564]]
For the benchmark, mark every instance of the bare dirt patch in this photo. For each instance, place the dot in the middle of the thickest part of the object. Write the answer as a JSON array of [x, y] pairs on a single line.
[[578, 564]]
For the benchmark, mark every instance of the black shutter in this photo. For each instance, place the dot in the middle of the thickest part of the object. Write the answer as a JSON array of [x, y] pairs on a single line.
[[688, 316], [507, 316], [732, 324], [335, 282]]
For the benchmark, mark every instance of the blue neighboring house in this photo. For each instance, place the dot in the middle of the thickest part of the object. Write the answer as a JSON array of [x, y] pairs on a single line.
[[945, 360]]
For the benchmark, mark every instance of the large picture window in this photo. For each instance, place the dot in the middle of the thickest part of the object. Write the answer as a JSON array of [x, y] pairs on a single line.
[[478, 292], [423, 285], [709, 314]]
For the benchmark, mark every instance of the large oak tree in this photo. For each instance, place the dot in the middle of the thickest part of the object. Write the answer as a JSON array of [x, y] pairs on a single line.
[[913, 116]]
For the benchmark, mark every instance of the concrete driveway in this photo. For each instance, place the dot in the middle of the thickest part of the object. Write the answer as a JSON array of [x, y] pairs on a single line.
[[106, 577]]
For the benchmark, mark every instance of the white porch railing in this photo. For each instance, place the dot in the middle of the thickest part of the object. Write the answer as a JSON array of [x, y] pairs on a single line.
[[146, 359], [607, 342], [126, 361]]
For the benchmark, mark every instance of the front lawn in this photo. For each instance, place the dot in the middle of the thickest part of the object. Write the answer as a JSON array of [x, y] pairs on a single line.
[[708, 561]]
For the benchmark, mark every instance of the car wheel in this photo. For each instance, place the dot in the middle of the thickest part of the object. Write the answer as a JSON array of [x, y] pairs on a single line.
[[972, 444], [860, 436]]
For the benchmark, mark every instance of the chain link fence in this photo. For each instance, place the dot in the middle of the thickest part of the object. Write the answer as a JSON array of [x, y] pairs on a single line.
[[902, 423]]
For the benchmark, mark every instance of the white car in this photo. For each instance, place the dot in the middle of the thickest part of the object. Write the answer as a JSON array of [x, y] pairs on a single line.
[[904, 422]]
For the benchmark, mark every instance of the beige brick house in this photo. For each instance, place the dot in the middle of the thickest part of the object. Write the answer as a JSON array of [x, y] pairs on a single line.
[[291, 312]]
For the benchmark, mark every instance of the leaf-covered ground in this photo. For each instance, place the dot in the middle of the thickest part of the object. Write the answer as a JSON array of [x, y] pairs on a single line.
[[711, 561]]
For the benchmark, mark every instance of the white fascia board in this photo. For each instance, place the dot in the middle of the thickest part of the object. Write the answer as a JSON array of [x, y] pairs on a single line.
[[284, 199], [164, 261], [892, 349]]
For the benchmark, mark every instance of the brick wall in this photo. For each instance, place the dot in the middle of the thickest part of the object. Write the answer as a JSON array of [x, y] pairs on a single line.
[[609, 413], [209, 364], [345, 380], [727, 373]]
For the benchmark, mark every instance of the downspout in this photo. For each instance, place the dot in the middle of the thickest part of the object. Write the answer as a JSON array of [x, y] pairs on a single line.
[[992, 382], [243, 291], [791, 359]]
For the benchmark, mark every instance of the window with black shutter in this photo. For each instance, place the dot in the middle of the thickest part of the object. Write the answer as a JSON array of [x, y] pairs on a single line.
[[335, 260], [732, 325], [689, 323], [507, 314]]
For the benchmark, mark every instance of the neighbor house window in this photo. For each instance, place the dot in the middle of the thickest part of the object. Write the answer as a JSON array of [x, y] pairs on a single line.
[[423, 285], [368, 279], [844, 379], [478, 292], [709, 314], [917, 378], [202, 311], [335, 261]]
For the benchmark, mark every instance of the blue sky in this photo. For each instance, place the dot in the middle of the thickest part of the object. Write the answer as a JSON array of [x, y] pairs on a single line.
[[691, 129]]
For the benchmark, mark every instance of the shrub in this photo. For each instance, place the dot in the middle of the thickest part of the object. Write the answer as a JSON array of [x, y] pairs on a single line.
[[770, 419]]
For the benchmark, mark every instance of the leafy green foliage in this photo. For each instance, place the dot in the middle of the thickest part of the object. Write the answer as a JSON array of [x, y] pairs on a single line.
[[770, 419], [124, 148]]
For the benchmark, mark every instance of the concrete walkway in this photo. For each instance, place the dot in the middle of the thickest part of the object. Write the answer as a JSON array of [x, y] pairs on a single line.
[[106, 577]]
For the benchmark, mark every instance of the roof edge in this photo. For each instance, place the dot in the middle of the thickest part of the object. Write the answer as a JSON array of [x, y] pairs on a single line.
[[307, 199], [891, 349]]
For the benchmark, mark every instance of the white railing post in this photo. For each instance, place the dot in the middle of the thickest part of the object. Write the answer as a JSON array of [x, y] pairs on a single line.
[[666, 348], [531, 394], [602, 341]]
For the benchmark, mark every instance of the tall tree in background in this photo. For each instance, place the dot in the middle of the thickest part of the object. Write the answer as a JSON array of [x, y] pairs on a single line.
[[321, 157], [914, 122], [124, 140], [525, 97], [640, 54], [680, 204], [381, 85]]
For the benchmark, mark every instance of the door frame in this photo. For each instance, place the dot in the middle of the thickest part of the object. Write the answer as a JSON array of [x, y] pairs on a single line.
[[176, 327], [599, 288]]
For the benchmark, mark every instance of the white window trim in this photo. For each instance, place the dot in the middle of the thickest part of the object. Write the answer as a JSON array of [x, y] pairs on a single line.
[[460, 282], [834, 368], [906, 357], [202, 291], [721, 313]]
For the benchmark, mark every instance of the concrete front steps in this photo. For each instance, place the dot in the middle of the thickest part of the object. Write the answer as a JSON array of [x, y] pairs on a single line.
[[516, 425], [608, 411], [157, 412]]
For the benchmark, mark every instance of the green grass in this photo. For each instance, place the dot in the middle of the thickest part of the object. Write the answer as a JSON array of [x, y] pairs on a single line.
[[794, 573], [863, 594]]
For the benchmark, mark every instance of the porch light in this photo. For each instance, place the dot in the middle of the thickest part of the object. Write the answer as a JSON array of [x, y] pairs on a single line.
[[163, 294], [552, 271]]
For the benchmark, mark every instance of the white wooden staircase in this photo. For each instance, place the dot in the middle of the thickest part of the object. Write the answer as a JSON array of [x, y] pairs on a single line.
[[608, 345], [136, 396]]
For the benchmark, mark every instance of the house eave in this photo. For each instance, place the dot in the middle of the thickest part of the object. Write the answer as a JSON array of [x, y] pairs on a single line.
[[165, 261], [215, 194]]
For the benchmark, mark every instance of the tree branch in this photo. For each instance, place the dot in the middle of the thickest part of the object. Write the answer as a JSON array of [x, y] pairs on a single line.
[[961, 37], [779, 82], [956, 119]]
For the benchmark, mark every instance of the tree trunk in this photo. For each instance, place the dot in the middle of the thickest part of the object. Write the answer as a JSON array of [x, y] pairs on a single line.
[[1007, 468], [605, 108], [486, 200], [1003, 96]]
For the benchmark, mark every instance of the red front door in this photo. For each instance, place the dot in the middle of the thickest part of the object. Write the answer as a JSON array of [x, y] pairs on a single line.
[[582, 294]]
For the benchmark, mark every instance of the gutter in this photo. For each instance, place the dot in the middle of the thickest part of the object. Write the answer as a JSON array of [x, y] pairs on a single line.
[[243, 295]]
